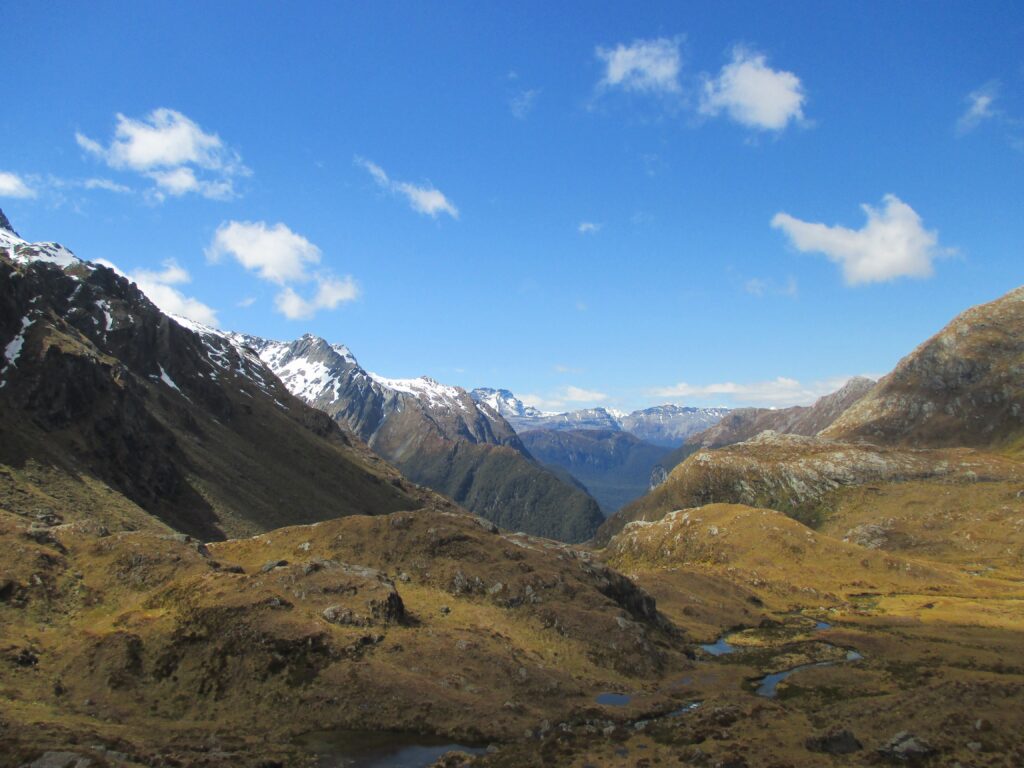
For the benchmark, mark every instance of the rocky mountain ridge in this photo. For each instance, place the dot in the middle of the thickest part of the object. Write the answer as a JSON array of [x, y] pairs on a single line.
[[437, 435], [134, 414], [963, 386]]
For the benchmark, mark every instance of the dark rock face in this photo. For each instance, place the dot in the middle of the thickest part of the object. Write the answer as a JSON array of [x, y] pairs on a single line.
[[904, 747], [6, 224], [835, 742], [438, 436]]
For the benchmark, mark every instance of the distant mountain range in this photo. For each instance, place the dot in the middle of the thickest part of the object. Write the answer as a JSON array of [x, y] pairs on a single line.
[[613, 454], [666, 425]]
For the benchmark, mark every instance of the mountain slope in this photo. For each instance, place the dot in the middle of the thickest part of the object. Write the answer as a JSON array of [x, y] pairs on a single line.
[[614, 466], [959, 390], [964, 386], [108, 404], [437, 435], [745, 423]]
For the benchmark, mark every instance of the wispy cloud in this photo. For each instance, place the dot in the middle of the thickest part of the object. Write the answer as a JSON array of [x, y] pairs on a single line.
[[106, 184], [753, 94], [980, 107], [893, 243], [13, 185], [780, 392], [172, 151], [279, 255], [644, 66], [522, 102], [757, 286], [425, 199], [589, 227]]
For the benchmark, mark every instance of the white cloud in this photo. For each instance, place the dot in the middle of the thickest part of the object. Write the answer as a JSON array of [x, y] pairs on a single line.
[[275, 253], [169, 148], [646, 66], [579, 395], [754, 94], [781, 392], [979, 108], [589, 227], [279, 255], [424, 199], [329, 294], [523, 102], [12, 185], [171, 274], [159, 287], [248, 301], [893, 243]]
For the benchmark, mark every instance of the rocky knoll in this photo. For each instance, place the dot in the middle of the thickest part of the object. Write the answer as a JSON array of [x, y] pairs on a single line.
[[766, 550]]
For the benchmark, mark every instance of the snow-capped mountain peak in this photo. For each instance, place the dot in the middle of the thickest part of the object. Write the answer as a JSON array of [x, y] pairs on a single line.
[[504, 402]]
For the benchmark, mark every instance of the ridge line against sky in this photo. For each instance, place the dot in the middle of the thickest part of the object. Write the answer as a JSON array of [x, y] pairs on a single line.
[[654, 207]]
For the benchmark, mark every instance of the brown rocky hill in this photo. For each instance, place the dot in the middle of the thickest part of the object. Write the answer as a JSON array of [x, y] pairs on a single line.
[[147, 649], [964, 386]]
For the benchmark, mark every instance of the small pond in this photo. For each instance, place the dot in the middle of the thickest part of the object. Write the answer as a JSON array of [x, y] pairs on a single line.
[[378, 749]]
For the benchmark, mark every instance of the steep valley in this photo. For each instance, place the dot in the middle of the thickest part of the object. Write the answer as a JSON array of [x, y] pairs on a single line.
[[221, 551]]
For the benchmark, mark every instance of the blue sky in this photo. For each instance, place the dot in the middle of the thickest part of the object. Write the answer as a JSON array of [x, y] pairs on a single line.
[[586, 203]]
